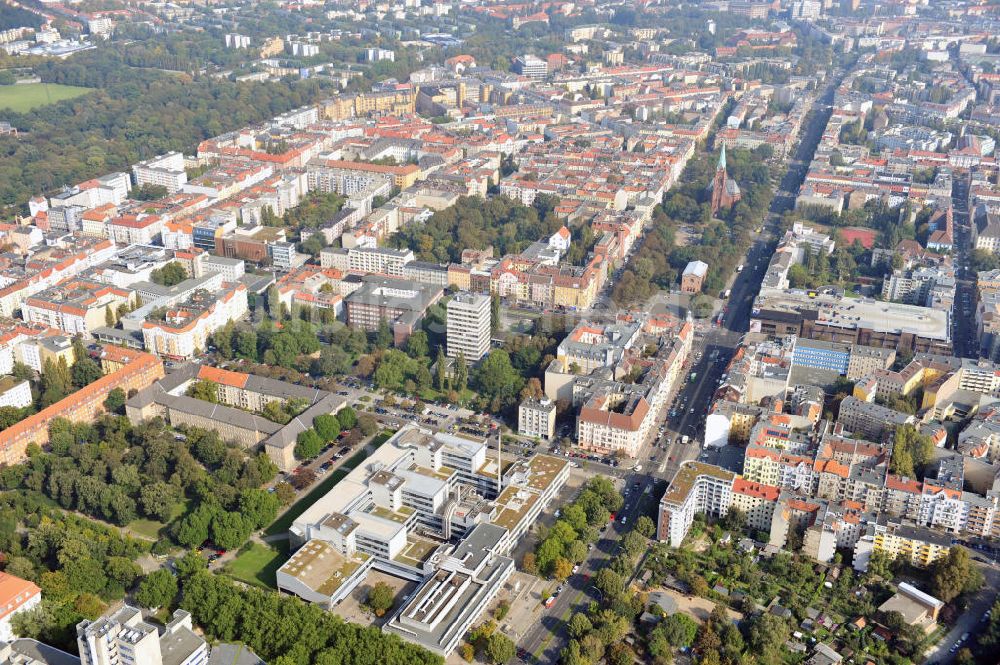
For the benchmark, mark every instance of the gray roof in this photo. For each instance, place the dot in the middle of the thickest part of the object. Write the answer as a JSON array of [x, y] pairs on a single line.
[[233, 654], [34, 652], [177, 645], [256, 384], [371, 293], [218, 412]]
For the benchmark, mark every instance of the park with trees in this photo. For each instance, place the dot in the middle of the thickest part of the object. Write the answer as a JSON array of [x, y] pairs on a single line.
[[721, 242]]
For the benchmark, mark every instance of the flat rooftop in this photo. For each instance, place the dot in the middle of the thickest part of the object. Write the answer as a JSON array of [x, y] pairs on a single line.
[[417, 551], [322, 568], [686, 476], [512, 505], [849, 313]]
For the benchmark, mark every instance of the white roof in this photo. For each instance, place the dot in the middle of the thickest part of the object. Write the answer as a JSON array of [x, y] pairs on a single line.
[[699, 268]]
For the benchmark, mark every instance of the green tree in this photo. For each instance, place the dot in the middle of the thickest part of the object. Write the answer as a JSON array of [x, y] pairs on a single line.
[[258, 507], [56, 382], [645, 526], [380, 598], [441, 369], [579, 625], [171, 274], [206, 391], [576, 551], [230, 529], [417, 345], [495, 320], [680, 630], [157, 589], [367, 424], [85, 371], [115, 401], [461, 373], [274, 302], [347, 417], [954, 574], [499, 648], [308, 444], [633, 544], [383, 336], [608, 582], [911, 451], [122, 571], [158, 499], [326, 426], [193, 529], [497, 380]]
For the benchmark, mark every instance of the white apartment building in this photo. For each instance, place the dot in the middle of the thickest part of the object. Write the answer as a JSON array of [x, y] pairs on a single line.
[[166, 170], [186, 327], [380, 260], [469, 326], [537, 418], [695, 488], [121, 637], [14, 393], [283, 255], [230, 269]]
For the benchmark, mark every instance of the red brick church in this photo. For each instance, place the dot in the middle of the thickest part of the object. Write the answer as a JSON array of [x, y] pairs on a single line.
[[723, 190]]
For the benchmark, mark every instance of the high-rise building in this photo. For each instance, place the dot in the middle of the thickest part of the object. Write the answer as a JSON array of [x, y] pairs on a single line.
[[121, 636], [469, 325], [531, 66]]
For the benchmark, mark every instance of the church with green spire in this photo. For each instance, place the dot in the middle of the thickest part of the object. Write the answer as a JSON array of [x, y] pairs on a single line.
[[723, 191]]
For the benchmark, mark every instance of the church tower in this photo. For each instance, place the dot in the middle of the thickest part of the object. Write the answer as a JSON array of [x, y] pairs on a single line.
[[723, 190]]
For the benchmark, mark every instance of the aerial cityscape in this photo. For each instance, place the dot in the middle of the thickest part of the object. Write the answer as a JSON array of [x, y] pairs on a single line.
[[413, 332]]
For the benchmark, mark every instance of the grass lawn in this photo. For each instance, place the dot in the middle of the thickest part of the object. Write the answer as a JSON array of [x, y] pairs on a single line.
[[23, 98], [258, 564], [283, 522], [150, 529]]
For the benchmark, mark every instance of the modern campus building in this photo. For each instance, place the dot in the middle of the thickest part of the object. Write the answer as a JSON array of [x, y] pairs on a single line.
[[432, 508]]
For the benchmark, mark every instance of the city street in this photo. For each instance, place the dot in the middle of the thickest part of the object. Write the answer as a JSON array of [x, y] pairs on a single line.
[[547, 636], [963, 315], [711, 352]]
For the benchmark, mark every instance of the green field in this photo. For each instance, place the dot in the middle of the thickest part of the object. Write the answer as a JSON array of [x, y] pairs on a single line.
[[258, 563], [23, 98], [153, 530]]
